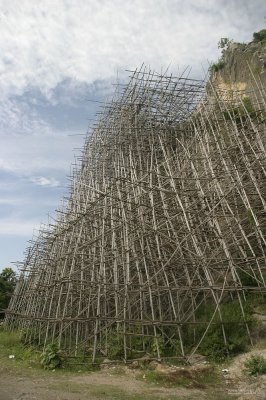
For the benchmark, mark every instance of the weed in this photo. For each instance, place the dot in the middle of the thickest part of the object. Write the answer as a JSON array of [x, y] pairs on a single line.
[[51, 357], [256, 365], [219, 65], [185, 377]]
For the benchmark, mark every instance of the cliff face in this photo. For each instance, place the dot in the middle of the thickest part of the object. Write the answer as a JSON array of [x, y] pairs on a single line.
[[244, 68]]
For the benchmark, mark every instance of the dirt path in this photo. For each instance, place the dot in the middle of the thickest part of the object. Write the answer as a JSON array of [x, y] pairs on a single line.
[[92, 386], [120, 383]]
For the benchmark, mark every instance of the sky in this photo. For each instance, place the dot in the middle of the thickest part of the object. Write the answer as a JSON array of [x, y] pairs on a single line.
[[60, 58]]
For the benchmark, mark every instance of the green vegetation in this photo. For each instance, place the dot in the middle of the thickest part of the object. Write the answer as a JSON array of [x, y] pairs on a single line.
[[214, 346], [182, 377], [10, 345], [112, 392], [167, 347], [26, 363], [223, 44], [116, 346], [30, 337], [8, 281], [205, 378], [108, 392], [260, 36], [240, 113], [248, 106], [256, 365], [218, 65], [51, 357], [26, 356]]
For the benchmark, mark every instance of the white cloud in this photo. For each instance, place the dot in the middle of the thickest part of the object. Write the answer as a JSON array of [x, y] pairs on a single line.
[[27, 202], [9, 201], [43, 43], [38, 155], [17, 226], [44, 181], [20, 118]]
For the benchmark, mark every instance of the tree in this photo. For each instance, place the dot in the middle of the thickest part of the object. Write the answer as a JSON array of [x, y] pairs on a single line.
[[223, 44], [8, 281]]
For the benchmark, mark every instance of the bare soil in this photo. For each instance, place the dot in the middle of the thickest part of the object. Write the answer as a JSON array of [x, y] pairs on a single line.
[[91, 386], [238, 382], [123, 383]]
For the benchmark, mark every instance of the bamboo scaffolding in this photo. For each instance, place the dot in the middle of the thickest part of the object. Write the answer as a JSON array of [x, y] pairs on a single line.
[[166, 212]]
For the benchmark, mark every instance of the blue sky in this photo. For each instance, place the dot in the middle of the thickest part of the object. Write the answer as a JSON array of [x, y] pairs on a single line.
[[56, 56]]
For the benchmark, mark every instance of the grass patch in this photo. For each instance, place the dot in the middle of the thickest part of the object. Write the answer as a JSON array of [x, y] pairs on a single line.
[[29, 358], [106, 391], [68, 387], [78, 365], [109, 392], [220, 395], [115, 393], [207, 380], [10, 345], [184, 377]]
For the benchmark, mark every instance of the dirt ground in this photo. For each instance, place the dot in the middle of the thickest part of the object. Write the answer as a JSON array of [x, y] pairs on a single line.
[[123, 383], [245, 387], [98, 385]]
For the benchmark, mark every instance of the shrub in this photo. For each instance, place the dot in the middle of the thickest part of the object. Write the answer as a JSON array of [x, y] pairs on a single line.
[[256, 365], [116, 345], [240, 113], [248, 105], [219, 65], [223, 44], [260, 36], [153, 346], [51, 358], [213, 345]]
